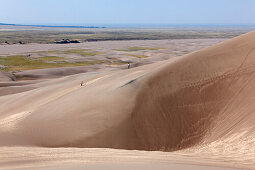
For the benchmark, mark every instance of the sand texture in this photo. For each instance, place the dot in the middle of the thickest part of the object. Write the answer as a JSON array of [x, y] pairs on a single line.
[[199, 108]]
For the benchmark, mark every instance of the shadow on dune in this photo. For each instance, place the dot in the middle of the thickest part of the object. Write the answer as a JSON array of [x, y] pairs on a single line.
[[178, 105]]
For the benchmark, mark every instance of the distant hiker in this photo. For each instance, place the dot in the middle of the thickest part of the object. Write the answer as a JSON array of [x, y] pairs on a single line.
[[82, 83], [128, 65]]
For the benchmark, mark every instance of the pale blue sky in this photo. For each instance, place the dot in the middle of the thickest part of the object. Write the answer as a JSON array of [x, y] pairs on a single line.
[[166, 12]]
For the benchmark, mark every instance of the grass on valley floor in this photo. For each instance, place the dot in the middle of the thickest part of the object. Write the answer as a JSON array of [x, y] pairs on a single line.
[[22, 62], [137, 49], [138, 56], [51, 58], [82, 52], [14, 34]]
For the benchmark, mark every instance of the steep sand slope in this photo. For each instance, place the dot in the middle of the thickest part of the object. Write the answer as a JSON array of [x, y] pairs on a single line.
[[207, 93], [202, 102]]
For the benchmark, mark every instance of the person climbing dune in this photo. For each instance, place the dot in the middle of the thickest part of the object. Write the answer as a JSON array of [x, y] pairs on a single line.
[[82, 83]]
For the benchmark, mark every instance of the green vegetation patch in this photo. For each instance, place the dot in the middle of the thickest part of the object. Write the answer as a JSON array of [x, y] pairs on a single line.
[[21, 62], [51, 58], [137, 49], [138, 56], [117, 62], [82, 52]]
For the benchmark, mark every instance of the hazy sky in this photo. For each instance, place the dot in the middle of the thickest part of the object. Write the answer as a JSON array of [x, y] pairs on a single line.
[[88, 12]]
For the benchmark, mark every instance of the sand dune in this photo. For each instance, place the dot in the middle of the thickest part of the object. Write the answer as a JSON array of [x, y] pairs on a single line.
[[201, 104]]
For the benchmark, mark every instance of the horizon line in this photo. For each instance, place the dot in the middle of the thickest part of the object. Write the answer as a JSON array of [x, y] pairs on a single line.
[[126, 25]]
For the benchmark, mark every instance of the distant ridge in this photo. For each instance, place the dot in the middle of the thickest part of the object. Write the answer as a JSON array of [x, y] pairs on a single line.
[[52, 26]]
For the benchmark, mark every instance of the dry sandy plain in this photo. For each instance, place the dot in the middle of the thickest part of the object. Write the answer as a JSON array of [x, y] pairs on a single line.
[[185, 106]]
